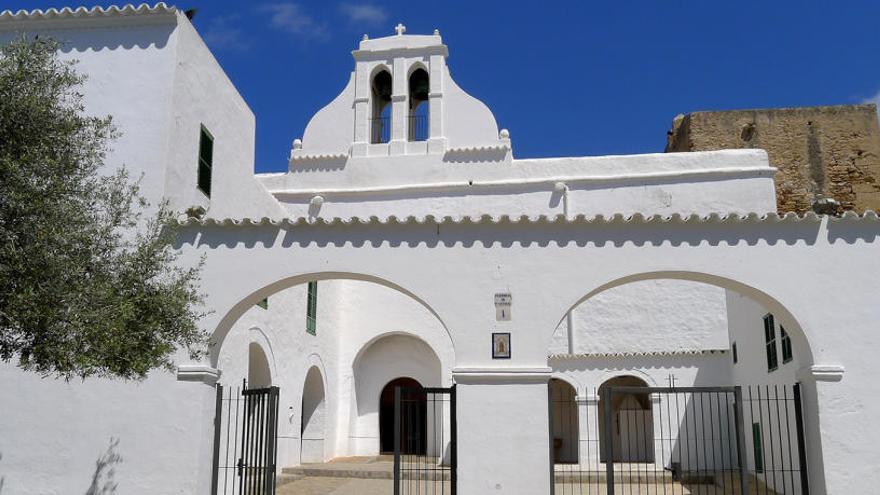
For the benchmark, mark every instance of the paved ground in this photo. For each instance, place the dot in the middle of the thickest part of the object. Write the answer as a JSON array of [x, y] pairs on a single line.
[[336, 486], [372, 476]]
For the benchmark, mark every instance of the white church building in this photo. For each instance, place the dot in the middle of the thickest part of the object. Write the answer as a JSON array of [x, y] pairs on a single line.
[[406, 246]]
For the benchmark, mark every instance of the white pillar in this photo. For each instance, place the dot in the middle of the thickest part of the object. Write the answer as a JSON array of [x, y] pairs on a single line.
[[362, 109], [503, 425], [399, 107], [436, 139], [659, 452], [202, 398], [588, 410]]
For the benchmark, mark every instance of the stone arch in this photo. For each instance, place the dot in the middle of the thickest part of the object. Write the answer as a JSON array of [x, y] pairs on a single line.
[[314, 417], [257, 335], [570, 380], [795, 330], [381, 90], [391, 356], [637, 373], [259, 373], [418, 90], [632, 422], [232, 315], [564, 421]]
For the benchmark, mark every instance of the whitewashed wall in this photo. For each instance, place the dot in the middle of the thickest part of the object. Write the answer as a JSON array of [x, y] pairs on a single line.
[[646, 316], [130, 76], [159, 82], [56, 437], [759, 385]]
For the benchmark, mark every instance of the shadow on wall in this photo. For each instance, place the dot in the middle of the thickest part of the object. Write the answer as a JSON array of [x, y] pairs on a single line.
[[104, 478], [96, 40], [407, 232]]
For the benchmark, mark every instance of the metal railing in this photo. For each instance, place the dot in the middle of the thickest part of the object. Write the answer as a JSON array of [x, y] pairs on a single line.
[[679, 440], [380, 130], [425, 452], [245, 440], [417, 128]]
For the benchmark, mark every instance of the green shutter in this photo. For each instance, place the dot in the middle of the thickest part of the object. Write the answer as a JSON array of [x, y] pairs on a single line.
[[312, 309], [787, 353], [206, 161], [758, 446], [770, 340]]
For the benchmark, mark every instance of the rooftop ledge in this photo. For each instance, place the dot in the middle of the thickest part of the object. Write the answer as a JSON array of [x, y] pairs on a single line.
[[714, 218], [612, 170], [143, 11]]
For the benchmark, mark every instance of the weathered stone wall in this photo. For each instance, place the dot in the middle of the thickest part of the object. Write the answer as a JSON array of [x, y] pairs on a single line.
[[830, 152]]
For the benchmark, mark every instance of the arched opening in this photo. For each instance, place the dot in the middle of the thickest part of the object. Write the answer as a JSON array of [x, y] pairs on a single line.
[[380, 122], [392, 360], [419, 90], [797, 339], [563, 422], [414, 412], [362, 354], [313, 418], [632, 434], [698, 334], [259, 375]]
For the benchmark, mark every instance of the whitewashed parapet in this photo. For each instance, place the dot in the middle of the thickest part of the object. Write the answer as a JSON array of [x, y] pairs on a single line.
[[624, 355], [675, 218], [84, 13]]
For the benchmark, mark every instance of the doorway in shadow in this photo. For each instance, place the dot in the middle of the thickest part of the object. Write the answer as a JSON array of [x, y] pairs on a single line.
[[414, 410]]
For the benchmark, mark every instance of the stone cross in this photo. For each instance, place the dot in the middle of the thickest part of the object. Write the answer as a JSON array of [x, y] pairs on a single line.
[[400, 28]]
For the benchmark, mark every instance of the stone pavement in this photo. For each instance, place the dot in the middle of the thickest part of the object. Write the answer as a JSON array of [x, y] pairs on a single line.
[[336, 486]]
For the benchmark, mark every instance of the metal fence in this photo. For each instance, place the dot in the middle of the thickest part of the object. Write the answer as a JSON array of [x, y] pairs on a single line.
[[380, 130], [425, 456], [678, 440], [417, 128], [245, 440]]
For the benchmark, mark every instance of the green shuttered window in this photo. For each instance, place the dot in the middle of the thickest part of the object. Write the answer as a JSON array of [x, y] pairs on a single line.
[[758, 446], [312, 309], [770, 340], [787, 353], [206, 161]]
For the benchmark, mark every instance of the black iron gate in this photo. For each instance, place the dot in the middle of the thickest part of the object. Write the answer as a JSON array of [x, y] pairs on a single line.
[[245, 440], [425, 456], [678, 440]]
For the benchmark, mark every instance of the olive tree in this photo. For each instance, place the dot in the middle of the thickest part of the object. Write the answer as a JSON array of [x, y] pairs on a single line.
[[89, 281]]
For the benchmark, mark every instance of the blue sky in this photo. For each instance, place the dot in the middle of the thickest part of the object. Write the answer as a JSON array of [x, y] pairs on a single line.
[[566, 78]]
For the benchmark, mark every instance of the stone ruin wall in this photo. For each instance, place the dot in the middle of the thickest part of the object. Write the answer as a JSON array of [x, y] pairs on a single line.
[[821, 152]]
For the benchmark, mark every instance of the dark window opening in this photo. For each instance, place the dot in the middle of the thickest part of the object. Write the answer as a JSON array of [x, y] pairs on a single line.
[[419, 89], [380, 121], [735, 356], [206, 161], [787, 353], [770, 342]]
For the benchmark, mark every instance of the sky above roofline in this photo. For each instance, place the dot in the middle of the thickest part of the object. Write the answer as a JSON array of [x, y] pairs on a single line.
[[567, 78]]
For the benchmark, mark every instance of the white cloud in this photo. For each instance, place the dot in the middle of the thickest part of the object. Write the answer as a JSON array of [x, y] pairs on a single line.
[[363, 13], [291, 17], [874, 99], [223, 32]]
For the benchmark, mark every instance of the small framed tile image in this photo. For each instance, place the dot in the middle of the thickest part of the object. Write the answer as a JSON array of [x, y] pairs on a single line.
[[500, 346]]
